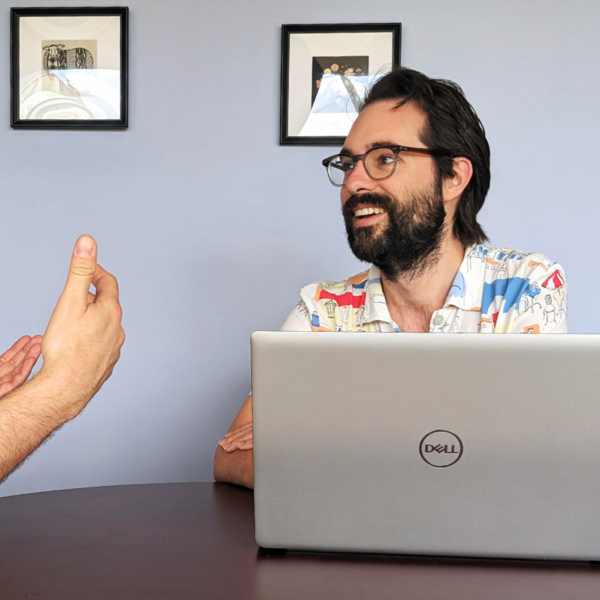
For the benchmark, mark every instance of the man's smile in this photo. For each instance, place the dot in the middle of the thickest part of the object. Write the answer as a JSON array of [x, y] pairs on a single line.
[[365, 215]]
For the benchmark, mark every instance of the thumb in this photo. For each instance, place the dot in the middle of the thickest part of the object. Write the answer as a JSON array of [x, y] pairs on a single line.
[[81, 270]]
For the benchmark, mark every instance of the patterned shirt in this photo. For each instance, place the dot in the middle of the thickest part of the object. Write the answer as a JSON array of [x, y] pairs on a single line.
[[496, 290]]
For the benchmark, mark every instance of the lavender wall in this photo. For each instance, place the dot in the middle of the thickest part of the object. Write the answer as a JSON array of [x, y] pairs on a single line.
[[206, 254]]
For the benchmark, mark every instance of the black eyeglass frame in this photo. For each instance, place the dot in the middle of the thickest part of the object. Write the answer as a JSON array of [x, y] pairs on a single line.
[[395, 149]]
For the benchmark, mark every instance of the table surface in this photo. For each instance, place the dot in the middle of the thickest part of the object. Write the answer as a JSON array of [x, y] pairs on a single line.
[[196, 540]]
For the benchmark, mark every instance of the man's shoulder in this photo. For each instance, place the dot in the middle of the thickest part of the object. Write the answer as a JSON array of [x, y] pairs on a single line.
[[355, 284], [511, 262], [341, 305]]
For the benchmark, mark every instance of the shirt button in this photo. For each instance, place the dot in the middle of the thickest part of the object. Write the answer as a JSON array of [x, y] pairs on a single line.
[[438, 320]]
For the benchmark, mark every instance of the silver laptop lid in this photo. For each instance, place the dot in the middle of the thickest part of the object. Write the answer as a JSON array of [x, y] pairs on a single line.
[[461, 444]]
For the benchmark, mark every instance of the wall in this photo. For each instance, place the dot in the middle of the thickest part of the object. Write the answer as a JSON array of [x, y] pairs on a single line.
[[211, 226]]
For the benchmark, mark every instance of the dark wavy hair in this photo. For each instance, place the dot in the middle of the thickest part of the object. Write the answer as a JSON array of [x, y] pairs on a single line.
[[452, 125]]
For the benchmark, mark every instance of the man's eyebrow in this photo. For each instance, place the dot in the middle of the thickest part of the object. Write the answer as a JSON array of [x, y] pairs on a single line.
[[383, 144], [379, 144]]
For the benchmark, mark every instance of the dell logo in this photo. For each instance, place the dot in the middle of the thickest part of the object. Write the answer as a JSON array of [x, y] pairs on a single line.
[[441, 448]]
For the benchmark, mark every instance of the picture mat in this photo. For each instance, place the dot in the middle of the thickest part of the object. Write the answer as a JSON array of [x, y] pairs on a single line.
[[378, 46], [105, 30]]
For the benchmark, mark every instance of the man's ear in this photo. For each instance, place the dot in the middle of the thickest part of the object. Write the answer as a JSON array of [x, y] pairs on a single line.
[[454, 186]]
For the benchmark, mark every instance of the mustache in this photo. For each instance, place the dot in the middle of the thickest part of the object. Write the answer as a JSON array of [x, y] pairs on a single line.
[[375, 200]]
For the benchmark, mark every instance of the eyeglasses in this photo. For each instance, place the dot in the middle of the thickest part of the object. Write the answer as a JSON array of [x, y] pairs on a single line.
[[380, 162]]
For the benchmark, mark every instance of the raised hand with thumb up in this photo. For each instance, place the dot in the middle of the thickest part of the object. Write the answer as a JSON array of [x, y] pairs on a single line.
[[80, 348], [84, 336]]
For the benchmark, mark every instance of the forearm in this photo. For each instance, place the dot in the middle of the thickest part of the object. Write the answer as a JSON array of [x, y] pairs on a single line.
[[234, 467], [28, 415]]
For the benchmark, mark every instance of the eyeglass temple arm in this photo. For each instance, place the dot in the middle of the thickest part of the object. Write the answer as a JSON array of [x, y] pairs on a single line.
[[430, 151]]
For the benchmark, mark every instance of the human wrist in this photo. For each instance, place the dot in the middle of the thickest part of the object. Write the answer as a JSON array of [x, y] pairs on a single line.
[[59, 391]]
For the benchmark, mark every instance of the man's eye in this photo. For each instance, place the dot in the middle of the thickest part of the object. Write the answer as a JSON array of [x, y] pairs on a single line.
[[386, 159], [346, 165]]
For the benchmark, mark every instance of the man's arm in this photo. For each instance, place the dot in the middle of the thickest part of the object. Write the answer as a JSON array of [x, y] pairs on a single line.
[[80, 349], [27, 417], [233, 457]]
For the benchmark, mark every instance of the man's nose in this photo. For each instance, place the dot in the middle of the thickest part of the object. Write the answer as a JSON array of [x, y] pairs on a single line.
[[359, 180]]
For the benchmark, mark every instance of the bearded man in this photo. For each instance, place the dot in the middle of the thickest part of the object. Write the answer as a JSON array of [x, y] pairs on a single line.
[[413, 174]]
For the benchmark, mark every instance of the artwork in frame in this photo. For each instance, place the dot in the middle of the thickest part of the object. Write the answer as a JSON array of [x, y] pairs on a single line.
[[69, 68], [325, 72]]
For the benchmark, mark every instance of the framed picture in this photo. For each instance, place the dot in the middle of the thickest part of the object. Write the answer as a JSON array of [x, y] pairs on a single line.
[[69, 68], [325, 72]]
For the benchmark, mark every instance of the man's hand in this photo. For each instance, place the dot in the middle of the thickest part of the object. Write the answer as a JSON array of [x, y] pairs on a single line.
[[234, 461], [84, 336], [238, 439], [80, 348], [16, 363]]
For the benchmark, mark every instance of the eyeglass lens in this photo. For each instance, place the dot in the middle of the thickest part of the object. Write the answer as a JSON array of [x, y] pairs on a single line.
[[379, 164]]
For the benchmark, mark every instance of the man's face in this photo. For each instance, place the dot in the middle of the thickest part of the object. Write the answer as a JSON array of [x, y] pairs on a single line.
[[406, 235]]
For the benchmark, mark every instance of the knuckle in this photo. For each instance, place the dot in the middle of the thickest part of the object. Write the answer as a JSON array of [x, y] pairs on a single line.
[[113, 312], [116, 312], [111, 280], [82, 269]]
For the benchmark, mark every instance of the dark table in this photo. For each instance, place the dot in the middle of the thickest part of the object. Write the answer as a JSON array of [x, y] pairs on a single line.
[[196, 540]]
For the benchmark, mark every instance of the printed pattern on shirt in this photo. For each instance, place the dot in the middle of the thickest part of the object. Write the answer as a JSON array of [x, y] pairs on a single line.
[[496, 290]]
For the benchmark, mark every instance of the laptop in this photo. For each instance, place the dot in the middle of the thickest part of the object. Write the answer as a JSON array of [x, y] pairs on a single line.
[[449, 445]]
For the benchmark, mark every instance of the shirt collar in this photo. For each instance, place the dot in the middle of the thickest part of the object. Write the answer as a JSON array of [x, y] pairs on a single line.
[[375, 305], [467, 289], [465, 293]]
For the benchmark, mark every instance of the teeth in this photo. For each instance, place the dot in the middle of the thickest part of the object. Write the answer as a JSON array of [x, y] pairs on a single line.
[[363, 212]]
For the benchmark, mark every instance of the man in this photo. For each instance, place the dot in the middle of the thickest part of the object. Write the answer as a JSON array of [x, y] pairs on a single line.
[[413, 174], [80, 349]]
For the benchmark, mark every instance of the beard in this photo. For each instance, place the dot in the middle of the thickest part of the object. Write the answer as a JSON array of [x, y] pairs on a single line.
[[412, 238]]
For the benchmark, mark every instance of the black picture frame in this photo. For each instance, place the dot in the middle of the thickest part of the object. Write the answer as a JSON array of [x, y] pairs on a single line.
[[67, 97], [288, 137]]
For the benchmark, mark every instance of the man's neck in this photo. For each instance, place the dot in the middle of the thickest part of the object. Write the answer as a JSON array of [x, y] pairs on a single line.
[[412, 299]]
